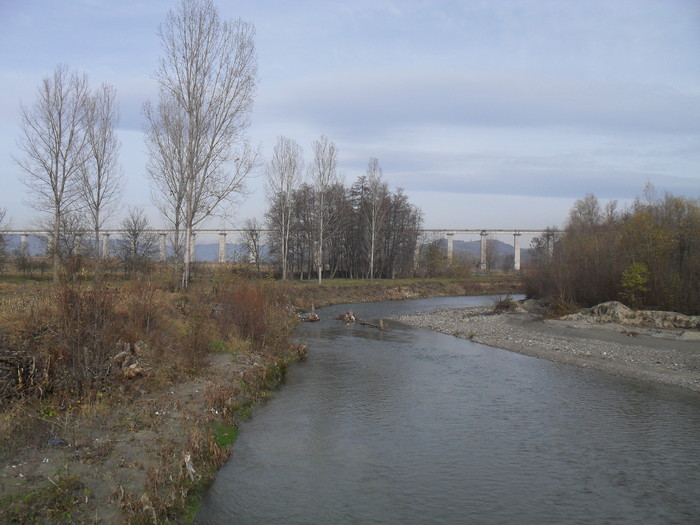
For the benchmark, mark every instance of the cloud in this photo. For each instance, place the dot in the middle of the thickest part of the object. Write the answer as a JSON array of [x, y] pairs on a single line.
[[378, 100]]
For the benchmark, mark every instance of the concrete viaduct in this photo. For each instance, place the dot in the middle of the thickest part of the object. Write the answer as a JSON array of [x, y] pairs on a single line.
[[449, 234]]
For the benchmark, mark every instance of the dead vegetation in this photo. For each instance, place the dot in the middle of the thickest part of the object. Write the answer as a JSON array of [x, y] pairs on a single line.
[[119, 402], [128, 394]]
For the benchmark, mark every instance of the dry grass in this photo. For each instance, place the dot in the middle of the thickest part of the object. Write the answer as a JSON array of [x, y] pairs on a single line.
[[75, 331], [206, 356]]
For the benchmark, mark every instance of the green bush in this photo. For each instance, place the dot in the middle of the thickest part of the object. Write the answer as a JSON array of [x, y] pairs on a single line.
[[635, 284]]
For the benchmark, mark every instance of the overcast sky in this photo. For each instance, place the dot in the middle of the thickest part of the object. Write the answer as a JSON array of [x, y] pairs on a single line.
[[489, 114]]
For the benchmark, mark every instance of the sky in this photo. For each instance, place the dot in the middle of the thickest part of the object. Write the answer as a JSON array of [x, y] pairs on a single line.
[[488, 114]]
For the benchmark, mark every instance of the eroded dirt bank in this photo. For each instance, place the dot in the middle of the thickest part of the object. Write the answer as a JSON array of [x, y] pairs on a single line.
[[141, 459]]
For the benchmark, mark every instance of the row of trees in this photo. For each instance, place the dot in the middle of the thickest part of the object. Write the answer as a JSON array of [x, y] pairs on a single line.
[[199, 158], [199, 152], [70, 157], [133, 250], [364, 231], [645, 256]]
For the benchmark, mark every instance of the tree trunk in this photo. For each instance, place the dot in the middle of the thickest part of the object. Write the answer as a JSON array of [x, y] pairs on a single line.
[[186, 257], [98, 255], [56, 238]]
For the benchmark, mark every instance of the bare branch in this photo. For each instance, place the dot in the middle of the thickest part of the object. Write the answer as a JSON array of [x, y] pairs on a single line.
[[208, 80], [54, 142]]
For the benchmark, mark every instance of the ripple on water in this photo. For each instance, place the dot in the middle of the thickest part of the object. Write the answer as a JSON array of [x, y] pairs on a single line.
[[416, 427]]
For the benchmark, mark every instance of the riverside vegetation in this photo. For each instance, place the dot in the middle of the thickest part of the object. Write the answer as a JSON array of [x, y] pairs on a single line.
[[646, 256], [120, 400]]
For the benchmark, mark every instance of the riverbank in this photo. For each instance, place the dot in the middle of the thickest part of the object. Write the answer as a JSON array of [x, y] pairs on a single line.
[[143, 448], [669, 356], [303, 294]]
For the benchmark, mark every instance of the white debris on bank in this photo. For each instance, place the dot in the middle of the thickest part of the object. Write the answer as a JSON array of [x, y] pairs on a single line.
[[615, 312]]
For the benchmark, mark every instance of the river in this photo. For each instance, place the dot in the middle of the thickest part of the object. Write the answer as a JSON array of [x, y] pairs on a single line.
[[410, 426]]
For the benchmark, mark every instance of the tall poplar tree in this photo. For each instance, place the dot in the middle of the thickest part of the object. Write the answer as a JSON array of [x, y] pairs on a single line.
[[55, 144], [209, 71]]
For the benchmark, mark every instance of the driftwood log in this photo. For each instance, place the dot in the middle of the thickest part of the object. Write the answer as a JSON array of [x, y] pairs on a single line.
[[349, 317]]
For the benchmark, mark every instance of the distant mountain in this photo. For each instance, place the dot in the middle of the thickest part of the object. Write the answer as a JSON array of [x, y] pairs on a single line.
[[35, 245], [474, 247], [472, 250], [234, 252]]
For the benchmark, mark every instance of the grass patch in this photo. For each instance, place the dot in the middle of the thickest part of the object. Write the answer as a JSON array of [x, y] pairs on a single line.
[[53, 503], [225, 435]]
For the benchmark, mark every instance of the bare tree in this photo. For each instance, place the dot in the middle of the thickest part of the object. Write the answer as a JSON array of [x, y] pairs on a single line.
[[323, 175], [586, 213], [165, 134], [376, 209], [208, 69], [137, 245], [4, 225], [100, 176], [54, 143], [490, 254], [283, 176], [252, 238]]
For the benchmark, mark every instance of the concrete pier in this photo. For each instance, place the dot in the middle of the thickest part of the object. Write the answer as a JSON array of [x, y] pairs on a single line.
[[105, 245], [484, 240], [516, 251], [450, 246], [222, 247], [24, 244]]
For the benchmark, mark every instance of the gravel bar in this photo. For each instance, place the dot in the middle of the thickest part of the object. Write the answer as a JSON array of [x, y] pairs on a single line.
[[667, 356]]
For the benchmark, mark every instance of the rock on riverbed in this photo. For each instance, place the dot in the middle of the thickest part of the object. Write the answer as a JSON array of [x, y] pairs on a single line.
[[627, 345]]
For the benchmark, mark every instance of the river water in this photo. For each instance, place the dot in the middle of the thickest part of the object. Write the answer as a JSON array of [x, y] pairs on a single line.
[[410, 426]]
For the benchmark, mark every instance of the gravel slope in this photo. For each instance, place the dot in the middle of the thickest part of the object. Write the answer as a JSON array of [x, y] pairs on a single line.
[[665, 356]]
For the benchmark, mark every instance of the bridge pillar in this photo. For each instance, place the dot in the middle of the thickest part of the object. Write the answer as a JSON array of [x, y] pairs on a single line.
[[163, 251], [484, 239], [222, 247], [450, 246], [516, 251], [24, 244], [105, 245], [78, 243]]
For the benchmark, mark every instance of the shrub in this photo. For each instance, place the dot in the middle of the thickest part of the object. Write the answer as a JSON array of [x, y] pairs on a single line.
[[255, 310], [635, 284], [505, 304], [647, 255], [87, 330], [197, 335]]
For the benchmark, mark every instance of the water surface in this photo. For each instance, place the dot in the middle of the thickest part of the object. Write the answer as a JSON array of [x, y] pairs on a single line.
[[410, 426]]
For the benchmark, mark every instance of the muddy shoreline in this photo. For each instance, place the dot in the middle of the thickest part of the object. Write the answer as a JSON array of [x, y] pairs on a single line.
[[668, 356]]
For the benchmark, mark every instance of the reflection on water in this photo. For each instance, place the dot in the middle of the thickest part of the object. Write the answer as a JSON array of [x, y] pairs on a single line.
[[409, 426]]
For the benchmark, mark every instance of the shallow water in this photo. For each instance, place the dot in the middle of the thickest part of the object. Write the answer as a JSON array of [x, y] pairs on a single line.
[[409, 426]]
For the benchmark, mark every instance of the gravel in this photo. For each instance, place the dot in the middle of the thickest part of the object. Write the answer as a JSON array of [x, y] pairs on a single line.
[[667, 356]]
